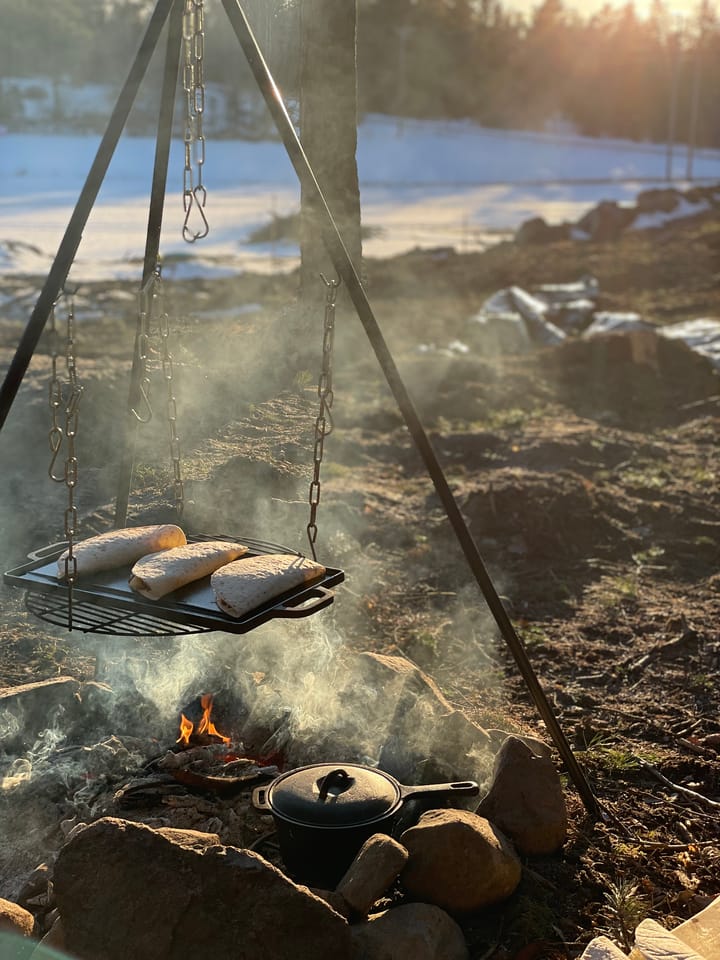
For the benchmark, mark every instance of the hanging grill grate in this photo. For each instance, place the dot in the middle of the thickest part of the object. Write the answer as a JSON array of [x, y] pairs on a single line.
[[107, 605], [90, 618]]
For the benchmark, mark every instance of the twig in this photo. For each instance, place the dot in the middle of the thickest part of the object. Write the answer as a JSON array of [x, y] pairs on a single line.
[[700, 403], [692, 794], [259, 841], [696, 748], [673, 803], [662, 845], [538, 878]]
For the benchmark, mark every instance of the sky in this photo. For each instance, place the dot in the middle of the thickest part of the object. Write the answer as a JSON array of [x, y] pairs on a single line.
[[586, 8]]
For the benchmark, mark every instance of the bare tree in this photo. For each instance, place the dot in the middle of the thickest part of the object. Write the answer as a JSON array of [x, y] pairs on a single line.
[[328, 130]]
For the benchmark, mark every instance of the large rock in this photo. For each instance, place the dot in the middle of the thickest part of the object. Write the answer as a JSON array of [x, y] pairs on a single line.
[[662, 200], [537, 230], [416, 716], [16, 919], [459, 861], [124, 889], [378, 864], [606, 221], [31, 708], [377, 706], [526, 799], [414, 931], [54, 938]]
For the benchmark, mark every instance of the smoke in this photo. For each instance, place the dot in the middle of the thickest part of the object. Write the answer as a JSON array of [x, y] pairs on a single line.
[[303, 688], [21, 769]]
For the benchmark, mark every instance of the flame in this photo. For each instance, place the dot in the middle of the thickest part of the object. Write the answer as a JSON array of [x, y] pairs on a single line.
[[205, 728]]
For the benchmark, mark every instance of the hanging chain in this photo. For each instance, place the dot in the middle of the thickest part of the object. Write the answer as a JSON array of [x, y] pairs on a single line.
[[153, 322], [70, 393], [55, 397], [194, 192], [323, 421], [144, 415], [167, 369]]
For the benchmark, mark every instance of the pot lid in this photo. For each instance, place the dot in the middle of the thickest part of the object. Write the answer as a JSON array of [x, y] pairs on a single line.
[[334, 795]]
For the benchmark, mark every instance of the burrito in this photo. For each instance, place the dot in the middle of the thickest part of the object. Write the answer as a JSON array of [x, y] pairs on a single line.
[[120, 548], [243, 585], [160, 573]]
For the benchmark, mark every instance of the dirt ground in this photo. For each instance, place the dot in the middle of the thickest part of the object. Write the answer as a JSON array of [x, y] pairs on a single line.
[[588, 477]]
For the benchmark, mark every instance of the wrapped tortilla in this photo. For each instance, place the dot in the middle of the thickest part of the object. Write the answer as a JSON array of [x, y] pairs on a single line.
[[160, 573], [243, 585], [120, 548]]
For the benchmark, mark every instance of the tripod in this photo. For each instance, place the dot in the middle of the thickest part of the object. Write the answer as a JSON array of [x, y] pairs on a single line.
[[173, 9]]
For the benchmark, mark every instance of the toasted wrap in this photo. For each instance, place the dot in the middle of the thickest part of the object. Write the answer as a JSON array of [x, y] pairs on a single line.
[[160, 573], [120, 548], [243, 585]]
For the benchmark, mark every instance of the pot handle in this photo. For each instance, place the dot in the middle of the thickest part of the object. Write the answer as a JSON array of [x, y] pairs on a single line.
[[461, 788], [336, 778], [260, 800]]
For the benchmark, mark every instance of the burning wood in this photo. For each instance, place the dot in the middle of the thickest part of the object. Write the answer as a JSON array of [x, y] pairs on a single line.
[[205, 732], [210, 753]]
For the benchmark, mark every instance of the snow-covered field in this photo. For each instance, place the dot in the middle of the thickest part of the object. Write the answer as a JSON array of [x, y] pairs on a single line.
[[423, 184]]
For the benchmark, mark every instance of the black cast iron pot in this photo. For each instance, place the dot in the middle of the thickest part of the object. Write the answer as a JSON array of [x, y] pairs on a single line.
[[325, 812]]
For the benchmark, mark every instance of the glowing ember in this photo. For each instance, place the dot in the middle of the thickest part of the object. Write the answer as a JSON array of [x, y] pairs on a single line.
[[205, 730]]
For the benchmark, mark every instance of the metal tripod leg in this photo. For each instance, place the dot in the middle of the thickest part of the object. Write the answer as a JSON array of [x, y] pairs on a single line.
[[152, 244], [73, 234], [344, 266]]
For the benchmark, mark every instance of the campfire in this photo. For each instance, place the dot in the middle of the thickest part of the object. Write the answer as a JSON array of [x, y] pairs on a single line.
[[300, 805], [202, 732]]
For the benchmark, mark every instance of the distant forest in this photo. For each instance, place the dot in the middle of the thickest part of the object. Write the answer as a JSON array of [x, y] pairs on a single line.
[[611, 74]]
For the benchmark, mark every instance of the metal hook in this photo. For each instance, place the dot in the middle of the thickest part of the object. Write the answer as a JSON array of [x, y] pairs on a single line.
[[331, 283], [195, 198], [74, 401], [332, 288], [149, 414], [56, 439]]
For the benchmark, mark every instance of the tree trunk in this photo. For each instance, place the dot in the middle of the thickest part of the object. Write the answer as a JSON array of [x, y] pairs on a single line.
[[328, 131]]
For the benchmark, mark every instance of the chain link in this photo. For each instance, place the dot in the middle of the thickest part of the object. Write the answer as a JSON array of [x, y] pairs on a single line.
[[194, 192], [154, 325], [55, 397], [323, 421], [144, 415], [168, 375], [69, 393]]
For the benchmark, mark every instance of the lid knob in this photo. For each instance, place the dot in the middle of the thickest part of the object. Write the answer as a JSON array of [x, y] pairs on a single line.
[[334, 783]]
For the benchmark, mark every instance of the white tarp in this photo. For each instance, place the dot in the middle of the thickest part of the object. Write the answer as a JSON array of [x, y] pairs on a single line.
[[702, 336], [513, 321], [514, 305], [586, 289], [605, 321]]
